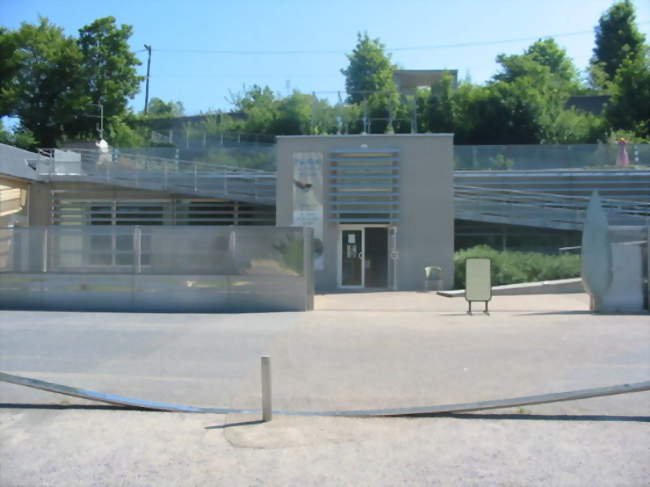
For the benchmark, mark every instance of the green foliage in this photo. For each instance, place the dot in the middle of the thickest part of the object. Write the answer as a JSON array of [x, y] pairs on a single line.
[[19, 137], [501, 163], [523, 104], [370, 84], [9, 66], [511, 267], [121, 133], [108, 66], [160, 108], [547, 53], [629, 106], [51, 81], [369, 70], [46, 90], [617, 37]]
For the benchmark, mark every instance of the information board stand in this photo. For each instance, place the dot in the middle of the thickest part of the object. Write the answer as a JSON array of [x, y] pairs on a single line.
[[478, 281]]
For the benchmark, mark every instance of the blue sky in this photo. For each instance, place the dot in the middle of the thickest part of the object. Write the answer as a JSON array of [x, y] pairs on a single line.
[[415, 32]]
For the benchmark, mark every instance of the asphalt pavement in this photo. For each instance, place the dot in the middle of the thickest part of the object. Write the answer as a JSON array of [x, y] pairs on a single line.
[[356, 351]]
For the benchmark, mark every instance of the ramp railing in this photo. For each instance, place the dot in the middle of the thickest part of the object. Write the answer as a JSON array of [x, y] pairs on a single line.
[[156, 173]]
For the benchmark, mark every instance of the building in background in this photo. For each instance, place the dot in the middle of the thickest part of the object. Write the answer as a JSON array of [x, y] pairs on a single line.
[[382, 206]]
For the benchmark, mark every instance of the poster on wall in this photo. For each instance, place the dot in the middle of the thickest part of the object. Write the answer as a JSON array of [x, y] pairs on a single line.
[[308, 198]]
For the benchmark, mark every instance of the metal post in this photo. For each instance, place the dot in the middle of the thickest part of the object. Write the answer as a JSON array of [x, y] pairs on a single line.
[[137, 250], [146, 96], [195, 179], [267, 413], [44, 250], [165, 175]]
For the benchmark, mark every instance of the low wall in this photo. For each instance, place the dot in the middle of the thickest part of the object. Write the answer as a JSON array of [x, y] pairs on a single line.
[[194, 269], [559, 286], [161, 293]]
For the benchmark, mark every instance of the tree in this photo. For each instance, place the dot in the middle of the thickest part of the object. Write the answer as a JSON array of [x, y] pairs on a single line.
[[617, 37], [629, 107], [45, 89], [370, 70], [544, 53], [259, 106], [160, 108], [370, 84], [547, 53], [9, 66], [52, 81], [108, 68]]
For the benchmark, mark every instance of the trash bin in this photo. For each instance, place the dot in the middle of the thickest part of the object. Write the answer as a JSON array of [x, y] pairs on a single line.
[[432, 278]]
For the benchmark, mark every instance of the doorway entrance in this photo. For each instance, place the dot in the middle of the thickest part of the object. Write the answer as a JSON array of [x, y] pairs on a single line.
[[363, 257]]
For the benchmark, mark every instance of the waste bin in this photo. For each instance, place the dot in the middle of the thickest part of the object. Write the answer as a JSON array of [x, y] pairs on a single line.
[[432, 278]]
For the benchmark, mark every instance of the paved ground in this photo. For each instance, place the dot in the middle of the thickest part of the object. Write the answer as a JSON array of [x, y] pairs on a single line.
[[356, 351]]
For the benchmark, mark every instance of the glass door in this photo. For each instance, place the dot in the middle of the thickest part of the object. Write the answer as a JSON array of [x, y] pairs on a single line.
[[375, 252], [352, 258]]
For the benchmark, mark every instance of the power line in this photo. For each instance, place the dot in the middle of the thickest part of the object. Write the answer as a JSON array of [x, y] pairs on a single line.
[[389, 49]]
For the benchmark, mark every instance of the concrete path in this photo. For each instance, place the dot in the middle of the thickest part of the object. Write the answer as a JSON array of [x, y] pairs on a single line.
[[370, 350]]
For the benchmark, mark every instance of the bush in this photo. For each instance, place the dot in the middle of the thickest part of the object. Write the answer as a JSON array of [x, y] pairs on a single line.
[[511, 267]]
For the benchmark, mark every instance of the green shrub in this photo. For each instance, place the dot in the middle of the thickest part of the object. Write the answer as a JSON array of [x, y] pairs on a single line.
[[511, 267]]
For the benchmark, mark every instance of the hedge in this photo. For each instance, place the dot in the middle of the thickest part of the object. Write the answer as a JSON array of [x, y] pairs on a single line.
[[511, 267]]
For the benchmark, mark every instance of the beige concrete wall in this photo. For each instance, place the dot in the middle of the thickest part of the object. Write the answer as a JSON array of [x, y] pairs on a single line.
[[426, 226], [40, 204]]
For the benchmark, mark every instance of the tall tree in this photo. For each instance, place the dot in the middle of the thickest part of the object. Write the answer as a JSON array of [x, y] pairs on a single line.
[[45, 89], [369, 82], [369, 71], [9, 67], [617, 37], [629, 107], [547, 53], [108, 66]]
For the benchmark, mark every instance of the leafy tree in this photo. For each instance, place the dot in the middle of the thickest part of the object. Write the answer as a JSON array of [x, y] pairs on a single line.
[[20, 137], [9, 66], [629, 107], [617, 37], [45, 88], [108, 67], [544, 53], [259, 107], [547, 53], [123, 132], [438, 113], [369, 71], [160, 108], [370, 84]]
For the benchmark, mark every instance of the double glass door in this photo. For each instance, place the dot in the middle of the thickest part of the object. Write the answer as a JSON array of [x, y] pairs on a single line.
[[364, 257]]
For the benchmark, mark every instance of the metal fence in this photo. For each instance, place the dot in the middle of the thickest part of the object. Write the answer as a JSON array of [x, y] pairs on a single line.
[[156, 268], [542, 157], [145, 171]]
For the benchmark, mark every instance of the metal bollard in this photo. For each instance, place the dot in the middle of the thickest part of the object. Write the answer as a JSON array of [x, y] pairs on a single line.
[[267, 414]]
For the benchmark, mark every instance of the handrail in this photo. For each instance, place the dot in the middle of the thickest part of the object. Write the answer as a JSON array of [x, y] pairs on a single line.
[[511, 196]]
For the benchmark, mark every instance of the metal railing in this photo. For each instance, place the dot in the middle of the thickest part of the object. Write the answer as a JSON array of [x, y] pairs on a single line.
[[157, 173], [549, 157], [544, 210]]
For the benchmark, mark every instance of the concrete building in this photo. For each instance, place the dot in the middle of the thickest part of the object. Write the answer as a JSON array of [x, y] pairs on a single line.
[[382, 206]]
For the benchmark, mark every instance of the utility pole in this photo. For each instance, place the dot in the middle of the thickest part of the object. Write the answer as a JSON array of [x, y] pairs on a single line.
[[146, 95]]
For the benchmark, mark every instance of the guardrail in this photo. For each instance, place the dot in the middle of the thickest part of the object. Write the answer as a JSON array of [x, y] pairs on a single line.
[[540, 209], [157, 173]]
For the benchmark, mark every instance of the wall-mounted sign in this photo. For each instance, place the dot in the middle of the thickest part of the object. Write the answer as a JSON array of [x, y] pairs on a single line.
[[308, 198]]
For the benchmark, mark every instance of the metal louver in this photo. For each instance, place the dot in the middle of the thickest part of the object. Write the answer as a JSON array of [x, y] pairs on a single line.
[[364, 186]]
